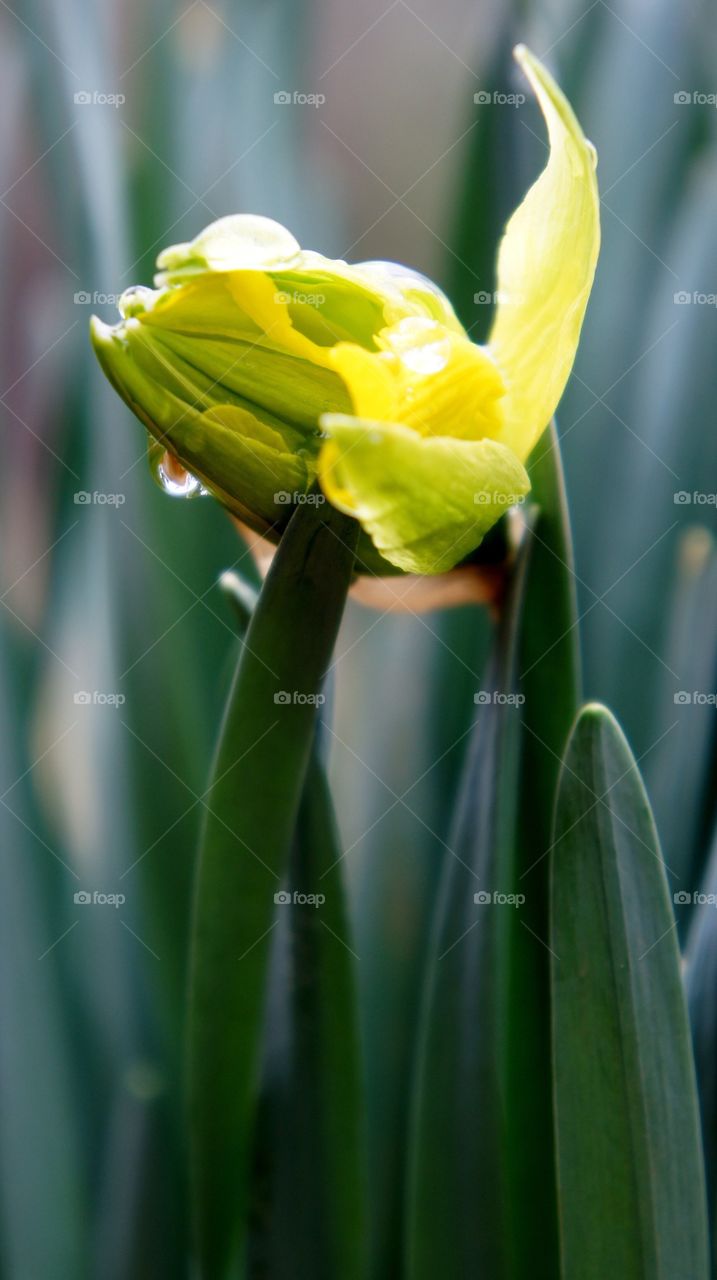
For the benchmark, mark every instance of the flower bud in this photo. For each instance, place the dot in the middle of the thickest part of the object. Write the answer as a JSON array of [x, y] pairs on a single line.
[[228, 362], [260, 366]]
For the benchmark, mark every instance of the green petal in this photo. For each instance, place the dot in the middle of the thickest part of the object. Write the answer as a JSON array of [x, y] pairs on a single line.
[[546, 265], [425, 501], [326, 304], [286, 387], [251, 461], [236, 330], [242, 457], [330, 301], [205, 305]]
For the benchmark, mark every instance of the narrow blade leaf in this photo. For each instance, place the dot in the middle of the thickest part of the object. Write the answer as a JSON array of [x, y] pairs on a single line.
[[458, 1194], [310, 1158], [630, 1175]]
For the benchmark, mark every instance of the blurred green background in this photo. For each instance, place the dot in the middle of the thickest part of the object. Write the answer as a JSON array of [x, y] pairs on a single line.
[[127, 127]]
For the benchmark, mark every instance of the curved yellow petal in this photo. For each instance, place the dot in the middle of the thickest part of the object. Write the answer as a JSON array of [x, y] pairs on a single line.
[[373, 391], [257, 294], [425, 501], [546, 265], [448, 385], [426, 376]]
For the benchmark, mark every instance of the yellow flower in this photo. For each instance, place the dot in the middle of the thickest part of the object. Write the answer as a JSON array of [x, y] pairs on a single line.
[[261, 365], [434, 449]]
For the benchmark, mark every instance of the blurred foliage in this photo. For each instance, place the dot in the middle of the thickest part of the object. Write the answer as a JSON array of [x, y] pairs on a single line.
[[120, 599]]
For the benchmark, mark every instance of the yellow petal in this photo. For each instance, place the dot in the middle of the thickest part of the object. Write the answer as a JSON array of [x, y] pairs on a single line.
[[373, 391], [546, 265], [257, 294], [425, 501], [426, 376]]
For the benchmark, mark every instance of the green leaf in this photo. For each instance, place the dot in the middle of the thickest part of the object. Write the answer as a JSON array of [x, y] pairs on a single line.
[[657, 386], [548, 667], [700, 984], [482, 1190], [42, 1171], [679, 772], [458, 1174], [630, 1177], [310, 1157], [252, 808], [549, 651]]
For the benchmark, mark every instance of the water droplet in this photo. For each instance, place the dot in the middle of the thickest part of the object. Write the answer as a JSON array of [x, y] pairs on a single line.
[[135, 301], [175, 479], [404, 277], [426, 360], [420, 344]]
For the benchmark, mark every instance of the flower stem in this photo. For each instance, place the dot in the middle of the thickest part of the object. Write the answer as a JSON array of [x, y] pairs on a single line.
[[250, 814]]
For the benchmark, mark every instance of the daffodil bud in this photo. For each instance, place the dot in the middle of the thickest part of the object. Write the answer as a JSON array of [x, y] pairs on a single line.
[[228, 362], [261, 366]]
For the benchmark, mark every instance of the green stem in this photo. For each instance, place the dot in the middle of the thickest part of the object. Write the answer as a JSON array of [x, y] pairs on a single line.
[[251, 810]]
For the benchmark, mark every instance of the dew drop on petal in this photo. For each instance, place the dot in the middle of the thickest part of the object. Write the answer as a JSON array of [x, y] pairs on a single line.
[[406, 277], [429, 359], [419, 343], [175, 479], [135, 301]]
